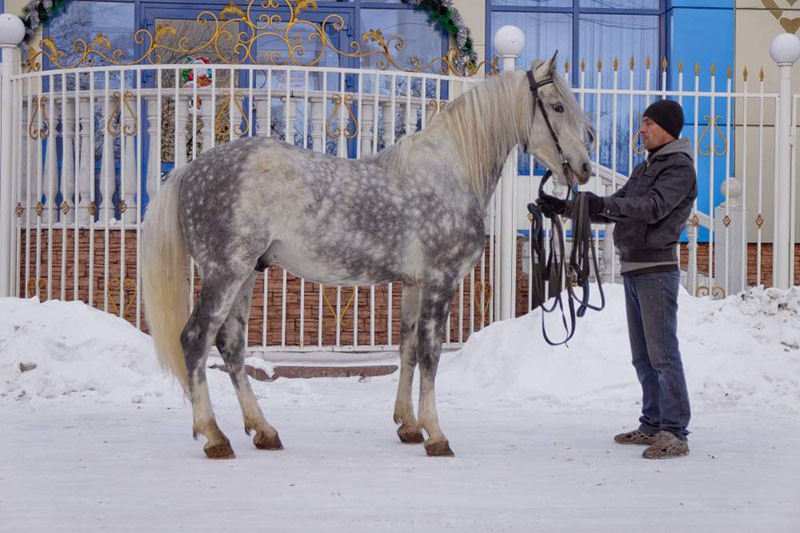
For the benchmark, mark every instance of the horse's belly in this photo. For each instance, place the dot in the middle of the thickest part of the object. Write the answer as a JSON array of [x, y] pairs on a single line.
[[339, 270]]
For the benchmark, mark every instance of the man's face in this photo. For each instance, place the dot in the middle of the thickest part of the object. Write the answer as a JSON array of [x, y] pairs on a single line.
[[653, 135]]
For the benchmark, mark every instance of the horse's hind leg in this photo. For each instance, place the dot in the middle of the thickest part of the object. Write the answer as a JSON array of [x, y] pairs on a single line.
[[232, 342], [408, 431], [216, 297]]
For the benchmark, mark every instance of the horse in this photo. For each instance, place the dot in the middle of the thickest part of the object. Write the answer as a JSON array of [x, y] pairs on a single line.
[[412, 213]]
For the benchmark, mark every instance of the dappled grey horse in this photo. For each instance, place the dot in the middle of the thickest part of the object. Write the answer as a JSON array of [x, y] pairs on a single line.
[[414, 213]]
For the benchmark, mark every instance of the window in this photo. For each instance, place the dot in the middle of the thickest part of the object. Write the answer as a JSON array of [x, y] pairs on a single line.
[[582, 30], [118, 20]]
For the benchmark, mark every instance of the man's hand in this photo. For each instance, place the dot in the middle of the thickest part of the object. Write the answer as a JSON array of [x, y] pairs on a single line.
[[595, 204], [551, 206]]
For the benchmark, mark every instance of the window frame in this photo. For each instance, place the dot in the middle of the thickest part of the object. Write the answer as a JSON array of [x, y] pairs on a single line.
[[576, 11], [351, 8]]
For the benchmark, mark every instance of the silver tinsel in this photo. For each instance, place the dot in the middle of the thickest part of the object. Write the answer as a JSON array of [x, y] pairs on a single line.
[[464, 55]]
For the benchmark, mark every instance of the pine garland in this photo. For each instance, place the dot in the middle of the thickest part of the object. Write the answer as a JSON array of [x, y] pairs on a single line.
[[38, 12], [443, 14], [440, 12]]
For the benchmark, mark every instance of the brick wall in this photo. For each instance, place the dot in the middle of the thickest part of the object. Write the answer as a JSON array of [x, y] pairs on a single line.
[[115, 289]]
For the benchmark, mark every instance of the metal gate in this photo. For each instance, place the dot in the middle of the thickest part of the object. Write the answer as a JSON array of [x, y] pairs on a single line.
[[84, 147]]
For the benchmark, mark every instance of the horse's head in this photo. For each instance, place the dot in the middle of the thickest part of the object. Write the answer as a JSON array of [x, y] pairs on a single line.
[[558, 133]]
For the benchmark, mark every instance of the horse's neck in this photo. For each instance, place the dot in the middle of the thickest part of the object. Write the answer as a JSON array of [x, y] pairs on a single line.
[[486, 128]]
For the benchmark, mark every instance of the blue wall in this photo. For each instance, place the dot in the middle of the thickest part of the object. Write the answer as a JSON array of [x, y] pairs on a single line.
[[703, 33]]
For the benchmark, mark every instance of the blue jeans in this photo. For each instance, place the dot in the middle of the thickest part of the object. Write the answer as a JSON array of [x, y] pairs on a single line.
[[651, 302]]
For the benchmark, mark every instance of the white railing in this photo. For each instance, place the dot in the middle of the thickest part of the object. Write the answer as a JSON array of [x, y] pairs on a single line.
[[83, 150], [92, 146]]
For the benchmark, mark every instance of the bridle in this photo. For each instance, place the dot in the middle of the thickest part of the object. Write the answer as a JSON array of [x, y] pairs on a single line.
[[535, 85], [551, 268]]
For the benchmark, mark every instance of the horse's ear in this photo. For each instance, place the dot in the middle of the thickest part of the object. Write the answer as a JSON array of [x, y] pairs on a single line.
[[553, 61], [546, 68]]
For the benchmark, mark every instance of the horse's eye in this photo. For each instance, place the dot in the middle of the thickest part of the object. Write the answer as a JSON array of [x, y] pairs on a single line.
[[558, 108]]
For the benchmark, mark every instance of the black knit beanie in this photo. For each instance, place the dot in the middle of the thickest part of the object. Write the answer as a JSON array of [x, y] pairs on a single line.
[[668, 114]]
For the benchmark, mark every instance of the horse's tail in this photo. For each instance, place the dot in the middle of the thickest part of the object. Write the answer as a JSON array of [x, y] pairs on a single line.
[[164, 281]]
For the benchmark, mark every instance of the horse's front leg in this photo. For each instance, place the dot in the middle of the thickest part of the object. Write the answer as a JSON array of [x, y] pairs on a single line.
[[409, 431], [434, 309]]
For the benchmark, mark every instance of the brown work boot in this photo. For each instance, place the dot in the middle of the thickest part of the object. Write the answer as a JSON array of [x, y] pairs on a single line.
[[636, 437], [666, 446]]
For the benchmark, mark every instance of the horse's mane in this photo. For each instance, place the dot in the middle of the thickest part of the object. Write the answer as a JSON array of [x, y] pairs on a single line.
[[486, 122]]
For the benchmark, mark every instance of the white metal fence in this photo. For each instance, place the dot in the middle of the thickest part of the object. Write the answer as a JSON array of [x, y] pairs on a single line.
[[84, 149]]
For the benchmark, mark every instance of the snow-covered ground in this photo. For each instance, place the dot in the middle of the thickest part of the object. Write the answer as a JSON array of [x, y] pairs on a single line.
[[94, 438]]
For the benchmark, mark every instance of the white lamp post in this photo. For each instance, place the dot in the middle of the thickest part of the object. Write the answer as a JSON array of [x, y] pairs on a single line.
[[12, 31], [785, 51], [508, 42]]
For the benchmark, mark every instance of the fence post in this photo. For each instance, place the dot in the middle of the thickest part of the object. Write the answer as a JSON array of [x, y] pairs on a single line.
[[12, 31], [784, 50], [729, 251], [508, 42]]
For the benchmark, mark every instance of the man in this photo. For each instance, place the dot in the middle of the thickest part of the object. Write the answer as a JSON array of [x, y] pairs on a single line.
[[650, 211]]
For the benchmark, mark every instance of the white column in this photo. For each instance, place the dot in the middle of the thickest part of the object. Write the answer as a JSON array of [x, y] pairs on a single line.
[[317, 124], [262, 110], [508, 42], [367, 127], [154, 146], [181, 120], [11, 33], [784, 50], [68, 158], [86, 161], [729, 259]]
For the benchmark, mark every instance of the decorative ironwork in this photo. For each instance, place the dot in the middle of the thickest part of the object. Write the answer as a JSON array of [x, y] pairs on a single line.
[[131, 120], [340, 316], [92, 208], [129, 288], [759, 221], [19, 210], [35, 287], [716, 292], [222, 120], [39, 208], [336, 131], [695, 220], [123, 206], [485, 290], [726, 220], [65, 207], [436, 105], [712, 122], [34, 131], [304, 43]]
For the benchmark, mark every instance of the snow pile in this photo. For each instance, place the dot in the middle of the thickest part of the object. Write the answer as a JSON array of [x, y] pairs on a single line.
[[77, 351], [740, 351]]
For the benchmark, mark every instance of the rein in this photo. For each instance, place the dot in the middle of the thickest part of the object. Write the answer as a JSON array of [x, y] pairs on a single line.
[[550, 268]]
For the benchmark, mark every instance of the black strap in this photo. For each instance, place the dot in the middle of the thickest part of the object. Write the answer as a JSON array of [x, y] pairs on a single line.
[[551, 270], [535, 85]]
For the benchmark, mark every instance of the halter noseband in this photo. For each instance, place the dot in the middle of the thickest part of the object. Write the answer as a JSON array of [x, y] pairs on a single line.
[[535, 85]]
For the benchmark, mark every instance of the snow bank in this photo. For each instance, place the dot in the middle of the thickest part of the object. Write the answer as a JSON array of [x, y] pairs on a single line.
[[743, 350], [77, 351]]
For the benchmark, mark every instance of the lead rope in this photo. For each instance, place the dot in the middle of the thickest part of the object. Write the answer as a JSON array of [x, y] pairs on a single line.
[[557, 271]]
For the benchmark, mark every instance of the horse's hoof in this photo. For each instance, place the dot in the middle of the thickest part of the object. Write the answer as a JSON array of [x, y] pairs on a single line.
[[220, 451], [410, 435], [439, 449], [263, 441]]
